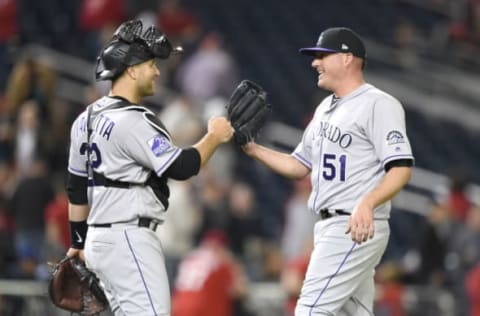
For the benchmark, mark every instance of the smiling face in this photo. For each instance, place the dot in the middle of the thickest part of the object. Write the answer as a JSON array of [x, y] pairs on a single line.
[[331, 68]]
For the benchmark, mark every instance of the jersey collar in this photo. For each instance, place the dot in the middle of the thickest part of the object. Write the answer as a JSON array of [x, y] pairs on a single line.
[[335, 103]]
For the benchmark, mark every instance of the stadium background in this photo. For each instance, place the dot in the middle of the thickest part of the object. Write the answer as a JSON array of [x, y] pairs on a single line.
[[425, 52]]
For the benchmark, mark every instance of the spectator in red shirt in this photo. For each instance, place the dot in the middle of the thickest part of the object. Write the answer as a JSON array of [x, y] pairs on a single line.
[[8, 20], [95, 14], [8, 31], [473, 289], [56, 221], [465, 22], [391, 291], [98, 18], [457, 199], [176, 21], [209, 280]]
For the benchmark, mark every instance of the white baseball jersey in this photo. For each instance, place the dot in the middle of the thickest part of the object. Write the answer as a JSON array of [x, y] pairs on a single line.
[[125, 147], [347, 145]]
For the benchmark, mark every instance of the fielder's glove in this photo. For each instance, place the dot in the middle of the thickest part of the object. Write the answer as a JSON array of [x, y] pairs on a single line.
[[75, 288], [248, 111]]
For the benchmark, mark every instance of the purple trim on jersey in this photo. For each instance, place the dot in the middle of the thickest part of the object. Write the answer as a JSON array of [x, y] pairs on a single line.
[[140, 271], [396, 157], [167, 164], [318, 174], [302, 160], [331, 277], [77, 172]]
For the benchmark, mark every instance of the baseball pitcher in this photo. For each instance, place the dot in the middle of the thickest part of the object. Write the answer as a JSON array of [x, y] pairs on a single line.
[[358, 156]]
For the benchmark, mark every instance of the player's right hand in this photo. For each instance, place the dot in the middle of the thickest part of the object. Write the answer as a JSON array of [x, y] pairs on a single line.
[[72, 252], [249, 148], [361, 225], [221, 128]]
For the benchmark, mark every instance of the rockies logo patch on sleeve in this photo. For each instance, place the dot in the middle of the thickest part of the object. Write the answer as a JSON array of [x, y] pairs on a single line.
[[158, 145], [395, 137]]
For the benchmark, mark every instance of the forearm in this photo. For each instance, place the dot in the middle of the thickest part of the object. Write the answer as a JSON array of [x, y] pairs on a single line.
[[395, 179], [52, 232], [292, 282], [281, 163], [240, 284], [206, 147], [78, 213]]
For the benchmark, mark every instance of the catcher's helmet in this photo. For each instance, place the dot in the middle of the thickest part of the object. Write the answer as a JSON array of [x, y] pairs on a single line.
[[129, 47]]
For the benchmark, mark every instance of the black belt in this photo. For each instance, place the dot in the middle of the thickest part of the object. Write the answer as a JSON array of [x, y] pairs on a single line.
[[327, 213], [150, 223]]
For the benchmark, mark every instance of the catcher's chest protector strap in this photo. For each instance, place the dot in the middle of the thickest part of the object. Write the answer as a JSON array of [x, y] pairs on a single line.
[[148, 115], [121, 104]]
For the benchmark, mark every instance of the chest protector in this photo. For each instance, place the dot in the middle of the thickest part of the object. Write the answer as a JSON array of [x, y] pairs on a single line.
[[158, 184]]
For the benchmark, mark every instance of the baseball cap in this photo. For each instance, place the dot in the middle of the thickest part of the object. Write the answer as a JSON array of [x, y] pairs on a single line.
[[337, 40]]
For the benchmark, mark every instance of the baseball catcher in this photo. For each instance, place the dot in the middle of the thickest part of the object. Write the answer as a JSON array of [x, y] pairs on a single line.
[[75, 288], [248, 111]]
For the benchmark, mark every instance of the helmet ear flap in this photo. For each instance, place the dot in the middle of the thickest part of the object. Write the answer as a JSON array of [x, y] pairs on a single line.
[[101, 73], [111, 63], [99, 69]]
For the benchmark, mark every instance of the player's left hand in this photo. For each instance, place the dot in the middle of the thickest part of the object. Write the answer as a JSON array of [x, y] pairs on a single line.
[[360, 224], [73, 252]]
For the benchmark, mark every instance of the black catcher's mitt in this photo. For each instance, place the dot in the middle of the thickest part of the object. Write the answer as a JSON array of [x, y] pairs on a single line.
[[248, 111], [75, 288]]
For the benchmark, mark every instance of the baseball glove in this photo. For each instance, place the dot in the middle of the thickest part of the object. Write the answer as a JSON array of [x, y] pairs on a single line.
[[248, 111], [75, 288]]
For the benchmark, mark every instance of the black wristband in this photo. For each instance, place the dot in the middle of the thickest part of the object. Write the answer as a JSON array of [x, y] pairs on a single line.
[[78, 232]]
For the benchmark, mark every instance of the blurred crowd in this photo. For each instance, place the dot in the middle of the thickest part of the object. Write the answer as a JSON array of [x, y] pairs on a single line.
[[453, 38], [440, 250], [234, 224]]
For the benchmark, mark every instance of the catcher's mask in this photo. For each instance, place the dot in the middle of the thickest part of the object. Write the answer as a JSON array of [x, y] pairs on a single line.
[[129, 47]]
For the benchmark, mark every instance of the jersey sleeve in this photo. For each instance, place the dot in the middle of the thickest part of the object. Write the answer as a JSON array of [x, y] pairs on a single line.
[[77, 164], [303, 151], [386, 129], [151, 148]]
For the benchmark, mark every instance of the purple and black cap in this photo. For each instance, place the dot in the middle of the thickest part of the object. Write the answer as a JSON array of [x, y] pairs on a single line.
[[337, 40]]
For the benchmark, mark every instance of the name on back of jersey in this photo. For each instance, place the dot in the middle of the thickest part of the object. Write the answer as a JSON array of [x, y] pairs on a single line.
[[103, 126]]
